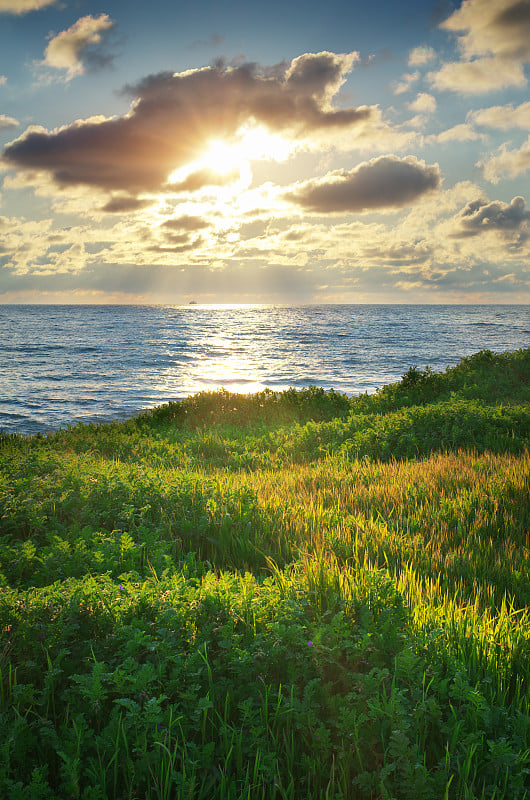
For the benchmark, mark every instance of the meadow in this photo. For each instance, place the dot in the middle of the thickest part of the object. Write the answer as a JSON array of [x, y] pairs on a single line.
[[289, 595]]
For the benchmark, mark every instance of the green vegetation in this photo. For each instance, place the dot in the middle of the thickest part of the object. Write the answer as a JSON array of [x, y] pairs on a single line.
[[285, 595]]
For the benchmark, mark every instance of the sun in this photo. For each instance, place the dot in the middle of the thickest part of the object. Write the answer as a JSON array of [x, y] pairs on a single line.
[[222, 157], [250, 144], [231, 160]]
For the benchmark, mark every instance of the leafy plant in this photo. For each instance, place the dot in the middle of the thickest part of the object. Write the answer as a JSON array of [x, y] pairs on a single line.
[[282, 595]]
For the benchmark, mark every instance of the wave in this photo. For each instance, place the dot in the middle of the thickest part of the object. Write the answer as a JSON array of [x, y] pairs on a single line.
[[99, 363]]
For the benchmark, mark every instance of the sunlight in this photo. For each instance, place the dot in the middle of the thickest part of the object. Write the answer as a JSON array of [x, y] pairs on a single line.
[[222, 157], [259, 144], [252, 144], [231, 160]]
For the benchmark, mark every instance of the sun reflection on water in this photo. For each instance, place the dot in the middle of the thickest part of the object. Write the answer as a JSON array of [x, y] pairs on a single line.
[[216, 360]]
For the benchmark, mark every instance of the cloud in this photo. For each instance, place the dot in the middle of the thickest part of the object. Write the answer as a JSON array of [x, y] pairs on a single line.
[[176, 243], [82, 40], [123, 205], [400, 253], [494, 40], [421, 55], [384, 182], [417, 122], [502, 117], [8, 122], [3, 80], [23, 6], [422, 245], [373, 134], [185, 223], [424, 103], [458, 133], [406, 82], [500, 27], [319, 76], [479, 76], [482, 216], [174, 116], [508, 163], [203, 177]]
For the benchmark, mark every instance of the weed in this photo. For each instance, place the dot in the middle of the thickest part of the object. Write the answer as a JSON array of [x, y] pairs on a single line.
[[281, 595]]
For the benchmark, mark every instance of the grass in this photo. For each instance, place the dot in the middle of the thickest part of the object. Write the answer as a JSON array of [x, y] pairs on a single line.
[[283, 595]]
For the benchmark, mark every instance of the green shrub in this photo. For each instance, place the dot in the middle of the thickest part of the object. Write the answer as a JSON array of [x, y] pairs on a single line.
[[282, 595]]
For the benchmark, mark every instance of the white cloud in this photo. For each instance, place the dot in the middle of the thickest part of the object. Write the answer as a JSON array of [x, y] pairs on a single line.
[[494, 41], [502, 117], [424, 103], [406, 81], [458, 133], [499, 27], [8, 122], [23, 6], [418, 122], [3, 80], [508, 163], [451, 248], [66, 50], [421, 55], [373, 134], [479, 76]]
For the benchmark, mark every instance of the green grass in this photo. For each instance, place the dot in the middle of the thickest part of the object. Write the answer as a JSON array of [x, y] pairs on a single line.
[[283, 595]]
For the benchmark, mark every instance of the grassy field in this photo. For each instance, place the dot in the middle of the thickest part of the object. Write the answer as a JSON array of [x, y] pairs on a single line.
[[288, 595]]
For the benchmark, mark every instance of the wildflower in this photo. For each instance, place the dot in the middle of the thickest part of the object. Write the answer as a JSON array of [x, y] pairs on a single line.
[[310, 643], [42, 636], [121, 587]]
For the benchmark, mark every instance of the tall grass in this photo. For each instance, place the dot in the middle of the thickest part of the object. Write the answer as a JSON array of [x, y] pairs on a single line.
[[281, 595]]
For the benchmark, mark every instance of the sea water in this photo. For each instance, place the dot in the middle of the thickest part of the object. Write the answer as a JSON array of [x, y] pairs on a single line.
[[60, 365]]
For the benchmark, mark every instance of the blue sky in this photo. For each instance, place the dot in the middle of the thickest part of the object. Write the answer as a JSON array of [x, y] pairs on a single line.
[[287, 152]]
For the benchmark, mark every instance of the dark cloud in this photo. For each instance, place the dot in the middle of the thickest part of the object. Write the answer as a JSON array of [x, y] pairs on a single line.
[[185, 223], [174, 115], [203, 177], [176, 244], [97, 59], [384, 182], [122, 205], [317, 75], [402, 254], [481, 216], [517, 13], [295, 235]]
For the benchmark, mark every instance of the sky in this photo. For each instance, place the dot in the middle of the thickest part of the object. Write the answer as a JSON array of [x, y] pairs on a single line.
[[280, 152]]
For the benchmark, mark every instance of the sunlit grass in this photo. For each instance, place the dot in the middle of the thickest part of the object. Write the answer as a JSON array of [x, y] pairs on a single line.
[[284, 595]]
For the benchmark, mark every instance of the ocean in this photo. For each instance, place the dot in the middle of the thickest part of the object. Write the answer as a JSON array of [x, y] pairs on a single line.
[[60, 365]]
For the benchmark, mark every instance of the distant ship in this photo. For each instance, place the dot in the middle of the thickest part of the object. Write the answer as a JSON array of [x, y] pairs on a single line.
[[192, 303]]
